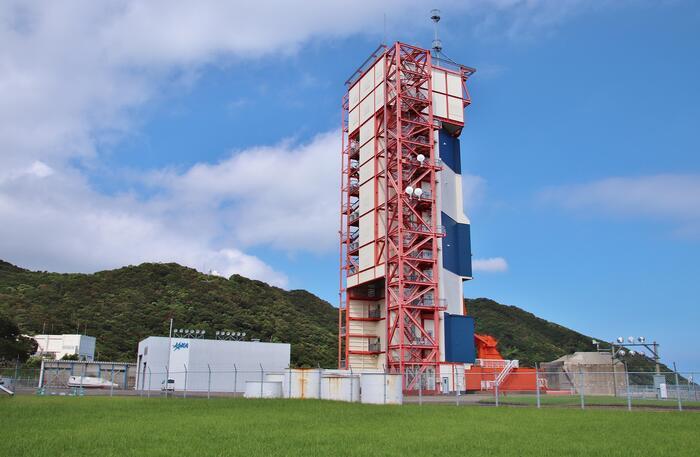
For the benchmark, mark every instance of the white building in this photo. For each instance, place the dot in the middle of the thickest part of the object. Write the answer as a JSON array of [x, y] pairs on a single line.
[[57, 346], [204, 364]]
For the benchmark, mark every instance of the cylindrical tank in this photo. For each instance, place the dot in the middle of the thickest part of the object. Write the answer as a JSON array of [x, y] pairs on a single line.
[[304, 383], [340, 388], [266, 389], [380, 388]]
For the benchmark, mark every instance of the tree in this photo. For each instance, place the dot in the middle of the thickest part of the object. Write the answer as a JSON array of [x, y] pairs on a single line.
[[13, 345]]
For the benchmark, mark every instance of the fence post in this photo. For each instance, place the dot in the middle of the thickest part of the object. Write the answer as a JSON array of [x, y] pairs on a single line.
[[209, 383], [167, 378], [16, 380], [678, 388], [111, 385], [262, 379], [41, 375], [456, 386], [149, 382], [289, 383], [320, 381], [537, 384], [420, 390], [582, 388], [627, 385], [235, 379], [184, 393], [385, 384], [82, 378], [351, 385], [495, 387]]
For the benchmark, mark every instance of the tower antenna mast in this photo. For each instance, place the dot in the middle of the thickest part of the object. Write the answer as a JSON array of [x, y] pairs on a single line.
[[437, 44]]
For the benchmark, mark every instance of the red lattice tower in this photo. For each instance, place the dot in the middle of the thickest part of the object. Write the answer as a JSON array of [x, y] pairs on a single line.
[[411, 241]]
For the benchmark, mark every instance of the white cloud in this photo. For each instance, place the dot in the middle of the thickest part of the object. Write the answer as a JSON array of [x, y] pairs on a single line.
[[73, 77], [58, 223], [285, 196], [674, 198], [490, 265]]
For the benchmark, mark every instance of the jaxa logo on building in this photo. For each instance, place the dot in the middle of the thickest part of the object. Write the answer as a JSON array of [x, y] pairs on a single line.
[[180, 345]]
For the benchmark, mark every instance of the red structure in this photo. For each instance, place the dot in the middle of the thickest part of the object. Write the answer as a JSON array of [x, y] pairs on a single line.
[[411, 280], [391, 307]]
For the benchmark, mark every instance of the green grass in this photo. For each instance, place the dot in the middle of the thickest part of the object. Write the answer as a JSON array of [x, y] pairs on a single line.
[[592, 400], [130, 426]]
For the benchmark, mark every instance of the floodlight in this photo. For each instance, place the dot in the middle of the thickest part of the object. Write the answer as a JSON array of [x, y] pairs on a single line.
[[409, 190], [630, 339], [621, 353], [203, 332], [196, 332], [217, 333], [620, 339], [228, 333], [243, 334], [594, 342], [633, 353], [641, 339]]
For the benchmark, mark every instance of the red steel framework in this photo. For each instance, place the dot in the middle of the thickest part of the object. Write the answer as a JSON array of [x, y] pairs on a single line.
[[411, 240], [407, 244]]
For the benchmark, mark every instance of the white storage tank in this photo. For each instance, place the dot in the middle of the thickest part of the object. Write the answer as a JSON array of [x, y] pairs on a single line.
[[265, 389], [304, 383], [381, 388], [275, 377], [340, 388]]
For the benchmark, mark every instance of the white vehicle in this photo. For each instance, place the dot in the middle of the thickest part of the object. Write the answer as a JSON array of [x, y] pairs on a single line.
[[170, 386], [90, 382]]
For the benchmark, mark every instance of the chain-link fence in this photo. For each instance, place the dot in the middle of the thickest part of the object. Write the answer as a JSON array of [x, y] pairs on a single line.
[[498, 384]]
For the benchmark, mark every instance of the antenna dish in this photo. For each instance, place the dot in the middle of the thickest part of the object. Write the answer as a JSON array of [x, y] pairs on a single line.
[[420, 158], [418, 192], [409, 190]]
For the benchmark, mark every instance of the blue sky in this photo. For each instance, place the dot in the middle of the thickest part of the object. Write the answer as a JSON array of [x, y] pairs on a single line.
[[218, 148]]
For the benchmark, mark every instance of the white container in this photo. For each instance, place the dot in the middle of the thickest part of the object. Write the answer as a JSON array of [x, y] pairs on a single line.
[[340, 388], [275, 377], [380, 388], [266, 389], [304, 383]]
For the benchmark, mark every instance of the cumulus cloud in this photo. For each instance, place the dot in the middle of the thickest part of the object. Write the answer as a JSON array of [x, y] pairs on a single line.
[[490, 265], [74, 76], [670, 197]]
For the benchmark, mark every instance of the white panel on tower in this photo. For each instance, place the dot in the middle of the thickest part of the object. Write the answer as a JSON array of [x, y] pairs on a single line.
[[366, 228], [354, 119], [366, 132], [379, 97], [439, 105], [366, 171], [366, 84], [354, 96], [454, 85], [352, 280], [366, 108], [379, 71], [439, 85], [455, 108], [367, 256], [367, 151], [366, 196]]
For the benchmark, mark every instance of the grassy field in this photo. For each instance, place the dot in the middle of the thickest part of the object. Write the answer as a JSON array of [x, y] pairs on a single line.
[[130, 426]]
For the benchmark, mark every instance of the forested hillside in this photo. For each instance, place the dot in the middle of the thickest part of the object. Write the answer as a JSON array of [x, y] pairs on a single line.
[[122, 306]]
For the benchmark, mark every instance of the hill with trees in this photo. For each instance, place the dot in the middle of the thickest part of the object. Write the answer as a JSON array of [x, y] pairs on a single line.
[[120, 307]]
